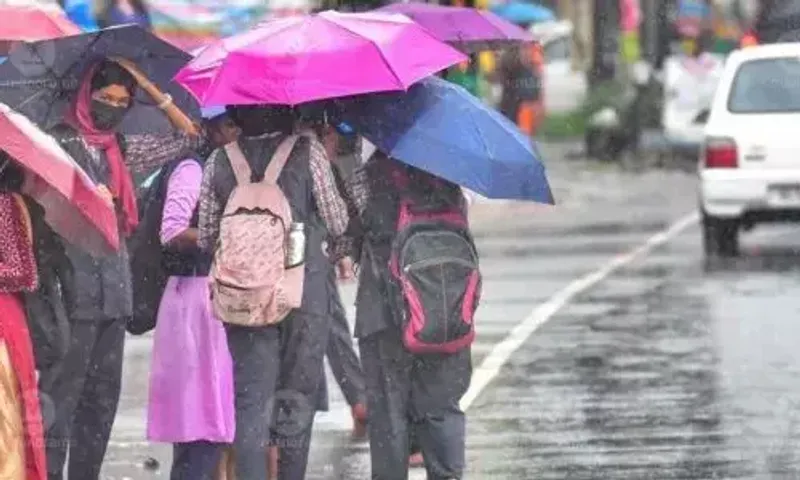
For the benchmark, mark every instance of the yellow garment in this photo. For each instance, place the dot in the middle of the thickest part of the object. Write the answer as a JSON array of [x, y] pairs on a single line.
[[688, 45], [12, 437], [487, 62], [631, 48]]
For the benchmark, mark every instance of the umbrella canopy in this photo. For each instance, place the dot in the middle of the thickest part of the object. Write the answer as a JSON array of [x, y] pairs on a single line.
[[467, 29], [30, 23], [523, 13], [443, 129], [294, 60], [81, 12], [39, 79], [73, 207]]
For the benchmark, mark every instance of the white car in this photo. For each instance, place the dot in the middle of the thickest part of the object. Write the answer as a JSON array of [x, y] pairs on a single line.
[[750, 161], [689, 87], [564, 87]]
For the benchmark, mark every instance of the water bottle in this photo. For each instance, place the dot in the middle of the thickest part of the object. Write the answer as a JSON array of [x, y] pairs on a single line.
[[296, 246]]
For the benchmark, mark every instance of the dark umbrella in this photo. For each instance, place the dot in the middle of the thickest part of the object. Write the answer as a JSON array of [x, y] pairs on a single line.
[[38, 79], [468, 29]]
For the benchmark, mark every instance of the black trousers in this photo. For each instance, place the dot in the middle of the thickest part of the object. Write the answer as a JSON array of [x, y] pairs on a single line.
[[256, 359], [195, 460], [304, 341], [85, 395], [414, 394], [342, 356]]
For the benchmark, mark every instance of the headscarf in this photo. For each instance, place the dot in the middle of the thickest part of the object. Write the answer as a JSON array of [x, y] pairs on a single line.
[[120, 182]]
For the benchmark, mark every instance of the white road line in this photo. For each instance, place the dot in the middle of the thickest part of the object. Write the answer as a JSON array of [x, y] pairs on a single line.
[[499, 355]]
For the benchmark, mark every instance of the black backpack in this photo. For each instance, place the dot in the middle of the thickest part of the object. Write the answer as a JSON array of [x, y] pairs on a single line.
[[148, 276], [434, 280]]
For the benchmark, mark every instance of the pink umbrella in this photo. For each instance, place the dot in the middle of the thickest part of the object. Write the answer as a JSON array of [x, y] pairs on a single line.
[[30, 23], [73, 207], [468, 29], [294, 60]]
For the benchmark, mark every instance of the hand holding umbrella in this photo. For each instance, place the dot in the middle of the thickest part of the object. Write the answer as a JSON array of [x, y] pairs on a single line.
[[164, 101]]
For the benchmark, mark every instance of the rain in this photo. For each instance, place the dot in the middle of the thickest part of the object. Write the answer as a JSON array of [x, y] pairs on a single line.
[[362, 239]]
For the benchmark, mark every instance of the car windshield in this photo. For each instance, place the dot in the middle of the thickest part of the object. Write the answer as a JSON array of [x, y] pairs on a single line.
[[770, 85]]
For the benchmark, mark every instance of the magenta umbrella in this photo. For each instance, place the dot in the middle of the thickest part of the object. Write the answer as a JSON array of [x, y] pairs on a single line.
[[467, 29], [313, 57]]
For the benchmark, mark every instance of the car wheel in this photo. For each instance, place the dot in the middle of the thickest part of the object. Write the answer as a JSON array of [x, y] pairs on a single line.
[[720, 236]]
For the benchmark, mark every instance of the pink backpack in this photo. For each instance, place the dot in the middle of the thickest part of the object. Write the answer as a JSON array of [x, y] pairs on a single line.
[[250, 284]]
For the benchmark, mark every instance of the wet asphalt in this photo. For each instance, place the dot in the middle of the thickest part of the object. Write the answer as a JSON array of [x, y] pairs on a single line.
[[669, 368]]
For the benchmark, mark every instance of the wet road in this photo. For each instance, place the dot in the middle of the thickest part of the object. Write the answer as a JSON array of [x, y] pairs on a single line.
[[661, 369], [665, 370]]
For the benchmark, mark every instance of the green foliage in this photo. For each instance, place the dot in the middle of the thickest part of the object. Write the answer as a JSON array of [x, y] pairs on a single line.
[[614, 94], [558, 126], [562, 126]]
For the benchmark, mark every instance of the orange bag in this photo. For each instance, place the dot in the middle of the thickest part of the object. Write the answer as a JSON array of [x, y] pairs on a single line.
[[529, 117]]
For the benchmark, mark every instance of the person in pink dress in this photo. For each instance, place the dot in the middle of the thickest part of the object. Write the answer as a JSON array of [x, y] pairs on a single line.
[[191, 380]]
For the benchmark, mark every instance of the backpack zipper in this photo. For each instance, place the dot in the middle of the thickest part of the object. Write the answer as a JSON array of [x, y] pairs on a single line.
[[438, 261], [229, 285], [407, 243]]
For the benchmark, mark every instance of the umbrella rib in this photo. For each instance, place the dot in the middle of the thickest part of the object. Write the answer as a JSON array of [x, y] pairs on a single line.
[[218, 74], [386, 61], [374, 45], [49, 70]]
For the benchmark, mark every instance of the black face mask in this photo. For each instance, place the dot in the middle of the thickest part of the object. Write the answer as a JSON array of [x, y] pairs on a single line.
[[105, 116]]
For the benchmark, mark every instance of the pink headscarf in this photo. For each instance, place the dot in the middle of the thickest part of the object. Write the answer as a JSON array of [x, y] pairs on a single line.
[[121, 183]]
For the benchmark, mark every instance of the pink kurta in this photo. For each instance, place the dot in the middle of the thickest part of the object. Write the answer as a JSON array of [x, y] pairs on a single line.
[[191, 377]]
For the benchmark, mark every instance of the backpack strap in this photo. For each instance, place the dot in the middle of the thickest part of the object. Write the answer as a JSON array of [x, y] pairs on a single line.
[[278, 160], [241, 169]]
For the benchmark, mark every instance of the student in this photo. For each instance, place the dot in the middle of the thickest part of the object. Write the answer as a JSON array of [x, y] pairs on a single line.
[[410, 396], [191, 374], [285, 357], [86, 392], [342, 357]]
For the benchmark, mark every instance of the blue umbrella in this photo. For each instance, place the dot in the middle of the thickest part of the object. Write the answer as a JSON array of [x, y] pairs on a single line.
[[523, 13], [441, 128], [81, 13], [40, 78], [210, 113]]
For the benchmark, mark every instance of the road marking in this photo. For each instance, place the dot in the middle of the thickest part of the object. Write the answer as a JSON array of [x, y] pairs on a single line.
[[499, 355]]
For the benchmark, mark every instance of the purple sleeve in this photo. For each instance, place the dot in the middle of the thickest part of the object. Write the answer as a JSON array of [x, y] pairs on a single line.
[[183, 191]]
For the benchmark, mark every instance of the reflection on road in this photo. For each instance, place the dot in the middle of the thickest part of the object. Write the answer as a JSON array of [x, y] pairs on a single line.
[[672, 369]]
